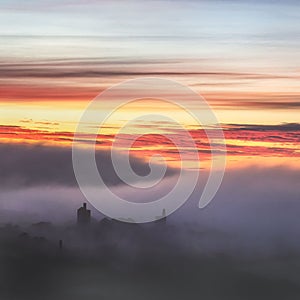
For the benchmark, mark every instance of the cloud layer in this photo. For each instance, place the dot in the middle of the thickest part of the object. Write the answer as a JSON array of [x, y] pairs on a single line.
[[27, 166]]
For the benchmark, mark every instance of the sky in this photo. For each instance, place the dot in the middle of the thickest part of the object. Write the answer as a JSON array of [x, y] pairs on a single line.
[[242, 57]]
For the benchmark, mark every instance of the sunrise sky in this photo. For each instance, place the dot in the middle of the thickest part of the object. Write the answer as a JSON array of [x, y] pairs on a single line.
[[241, 56], [222, 222]]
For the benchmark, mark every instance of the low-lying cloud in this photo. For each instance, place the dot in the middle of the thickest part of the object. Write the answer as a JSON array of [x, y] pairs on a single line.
[[37, 165]]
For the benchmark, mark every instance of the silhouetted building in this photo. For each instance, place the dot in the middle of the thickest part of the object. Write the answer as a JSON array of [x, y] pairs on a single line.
[[83, 215], [163, 218], [41, 228], [45, 225]]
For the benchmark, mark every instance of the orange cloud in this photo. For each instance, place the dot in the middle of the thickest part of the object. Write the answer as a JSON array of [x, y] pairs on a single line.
[[281, 141]]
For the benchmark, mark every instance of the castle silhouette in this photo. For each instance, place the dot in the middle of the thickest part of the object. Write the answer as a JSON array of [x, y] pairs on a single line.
[[84, 216]]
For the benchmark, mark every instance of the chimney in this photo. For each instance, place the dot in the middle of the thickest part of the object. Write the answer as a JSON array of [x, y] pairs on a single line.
[[84, 205], [60, 243]]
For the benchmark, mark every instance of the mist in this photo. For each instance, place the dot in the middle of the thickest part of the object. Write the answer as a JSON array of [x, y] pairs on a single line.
[[244, 245]]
